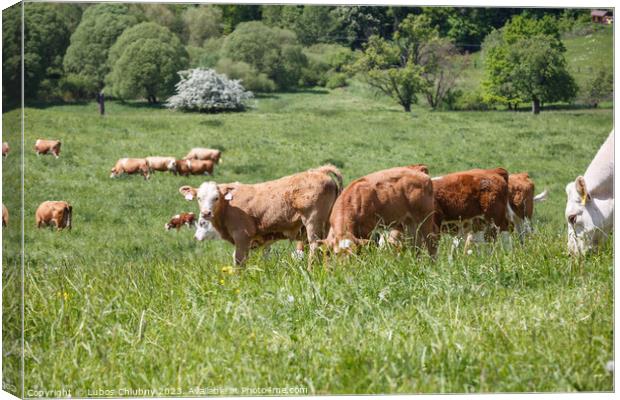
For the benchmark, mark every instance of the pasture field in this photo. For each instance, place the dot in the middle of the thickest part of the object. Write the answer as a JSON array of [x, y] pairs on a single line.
[[118, 302]]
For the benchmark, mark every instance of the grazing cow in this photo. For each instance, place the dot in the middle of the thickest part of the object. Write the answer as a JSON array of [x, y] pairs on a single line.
[[521, 199], [5, 149], [473, 201], [54, 212], [181, 219], [590, 204], [201, 153], [205, 230], [5, 216], [269, 211], [43, 146], [162, 164], [400, 198], [186, 167], [130, 166]]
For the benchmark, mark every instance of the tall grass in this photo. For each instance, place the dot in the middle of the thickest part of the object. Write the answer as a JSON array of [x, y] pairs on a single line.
[[120, 303]]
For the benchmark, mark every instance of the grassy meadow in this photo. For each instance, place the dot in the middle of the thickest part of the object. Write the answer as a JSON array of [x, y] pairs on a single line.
[[117, 302]]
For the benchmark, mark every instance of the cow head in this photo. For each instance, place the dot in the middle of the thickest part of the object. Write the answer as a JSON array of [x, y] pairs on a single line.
[[172, 165], [209, 196], [114, 173], [581, 217], [205, 230]]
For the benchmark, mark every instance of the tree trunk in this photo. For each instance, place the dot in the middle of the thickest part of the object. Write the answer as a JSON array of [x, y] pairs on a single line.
[[510, 106], [407, 107], [535, 106]]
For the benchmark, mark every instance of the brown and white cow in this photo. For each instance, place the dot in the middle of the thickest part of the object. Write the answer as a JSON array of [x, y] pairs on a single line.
[[56, 213], [162, 164], [398, 198], [187, 167], [130, 166], [5, 149], [179, 220], [521, 199], [202, 153], [263, 212], [472, 201], [43, 146], [5, 216]]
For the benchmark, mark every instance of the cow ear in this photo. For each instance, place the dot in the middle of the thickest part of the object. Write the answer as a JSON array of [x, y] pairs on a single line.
[[580, 185], [188, 192], [228, 196]]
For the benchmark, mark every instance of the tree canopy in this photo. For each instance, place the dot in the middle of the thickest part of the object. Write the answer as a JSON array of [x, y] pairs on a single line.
[[99, 28], [145, 61]]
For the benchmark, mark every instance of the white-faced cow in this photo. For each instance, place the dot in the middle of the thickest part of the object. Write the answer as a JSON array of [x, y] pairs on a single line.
[[264, 212], [590, 202], [202, 153], [43, 146], [162, 164], [130, 166]]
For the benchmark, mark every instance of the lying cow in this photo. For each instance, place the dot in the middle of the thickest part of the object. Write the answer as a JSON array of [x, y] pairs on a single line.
[[57, 213], [400, 198], [269, 211], [179, 220], [5, 149], [521, 199], [43, 146], [130, 166], [186, 167], [472, 201], [162, 164], [202, 153], [5, 216], [590, 204]]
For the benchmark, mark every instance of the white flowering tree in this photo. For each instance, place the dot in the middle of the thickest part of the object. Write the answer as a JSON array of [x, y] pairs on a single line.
[[206, 90]]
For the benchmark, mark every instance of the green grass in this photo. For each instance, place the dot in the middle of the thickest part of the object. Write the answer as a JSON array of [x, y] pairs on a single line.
[[120, 303]]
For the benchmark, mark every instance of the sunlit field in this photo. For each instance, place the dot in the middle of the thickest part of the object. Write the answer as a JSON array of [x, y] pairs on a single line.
[[118, 302]]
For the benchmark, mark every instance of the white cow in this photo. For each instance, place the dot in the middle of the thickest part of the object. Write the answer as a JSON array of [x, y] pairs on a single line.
[[590, 204]]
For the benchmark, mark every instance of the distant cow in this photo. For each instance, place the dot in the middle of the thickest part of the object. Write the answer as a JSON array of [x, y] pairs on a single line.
[[162, 164], [5, 216], [179, 220], [57, 213], [398, 198], [202, 153], [130, 166], [590, 202], [473, 201], [521, 199], [5, 149], [269, 211], [43, 146], [187, 167]]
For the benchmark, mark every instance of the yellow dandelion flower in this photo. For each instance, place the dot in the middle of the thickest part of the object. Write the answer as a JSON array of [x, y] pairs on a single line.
[[221, 281], [237, 291], [228, 270], [65, 296]]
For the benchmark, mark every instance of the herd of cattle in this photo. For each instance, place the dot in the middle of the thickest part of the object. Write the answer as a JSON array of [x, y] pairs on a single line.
[[402, 206]]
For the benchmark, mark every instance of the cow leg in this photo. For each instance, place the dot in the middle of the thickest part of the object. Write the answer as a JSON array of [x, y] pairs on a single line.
[[428, 235], [242, 246]]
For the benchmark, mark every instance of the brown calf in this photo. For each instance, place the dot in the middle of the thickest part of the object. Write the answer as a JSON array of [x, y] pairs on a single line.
[[43, 146], [179, 220], [202, 153], [398, 198], [54, 212], [186, 167], [5, 149], [263, 212], [130, 166]]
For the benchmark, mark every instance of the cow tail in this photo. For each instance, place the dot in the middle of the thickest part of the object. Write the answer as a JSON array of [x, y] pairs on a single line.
[[542, 196], [67, 216], [334, 172]]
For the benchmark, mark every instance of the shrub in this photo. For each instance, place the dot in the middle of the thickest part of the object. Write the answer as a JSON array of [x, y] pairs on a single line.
[[206, 90], [471, 101], [249, 77], [323, 61], [272, 51], [336, 80]]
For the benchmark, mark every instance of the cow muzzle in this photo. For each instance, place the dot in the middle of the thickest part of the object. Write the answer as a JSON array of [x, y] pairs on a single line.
[[208, 215]]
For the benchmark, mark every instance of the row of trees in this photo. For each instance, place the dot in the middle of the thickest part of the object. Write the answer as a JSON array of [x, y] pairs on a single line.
[[137, 50]]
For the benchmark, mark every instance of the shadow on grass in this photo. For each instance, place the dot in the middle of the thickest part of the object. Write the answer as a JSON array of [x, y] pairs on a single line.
[[47, 104]]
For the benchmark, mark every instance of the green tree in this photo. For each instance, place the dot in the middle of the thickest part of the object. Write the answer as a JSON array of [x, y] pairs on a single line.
[[202, 22], [390, 68], [274, 52], [99, 28], [46, 39], [316, 24], [599, 87], [526, 62], [144, 62]]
